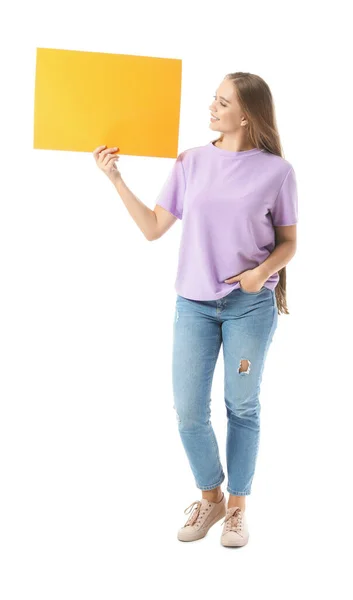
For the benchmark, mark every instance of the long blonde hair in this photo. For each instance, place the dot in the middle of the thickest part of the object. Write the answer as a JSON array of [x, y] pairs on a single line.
[[255, 100]]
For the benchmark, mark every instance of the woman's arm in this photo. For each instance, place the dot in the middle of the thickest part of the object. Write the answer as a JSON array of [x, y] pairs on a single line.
[[153, 223], [285, 249]]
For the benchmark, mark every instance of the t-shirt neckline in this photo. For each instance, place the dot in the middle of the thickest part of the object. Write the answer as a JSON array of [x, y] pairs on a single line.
[[234, 154]]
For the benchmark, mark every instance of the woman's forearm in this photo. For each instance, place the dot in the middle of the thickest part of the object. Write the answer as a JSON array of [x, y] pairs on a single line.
[[144, 217], [278, 259]]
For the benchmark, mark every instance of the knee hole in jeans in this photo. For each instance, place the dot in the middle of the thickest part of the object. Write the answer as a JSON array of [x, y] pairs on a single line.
[[244, 366]]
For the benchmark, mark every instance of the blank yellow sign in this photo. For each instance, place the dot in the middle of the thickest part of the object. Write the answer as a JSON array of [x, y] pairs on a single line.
[[87, 99]]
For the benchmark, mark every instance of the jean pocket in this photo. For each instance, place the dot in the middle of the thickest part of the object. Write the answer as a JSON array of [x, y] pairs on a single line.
[[252, 293]]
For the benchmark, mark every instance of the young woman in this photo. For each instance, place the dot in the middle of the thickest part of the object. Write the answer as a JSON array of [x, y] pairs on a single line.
[[237, 198]]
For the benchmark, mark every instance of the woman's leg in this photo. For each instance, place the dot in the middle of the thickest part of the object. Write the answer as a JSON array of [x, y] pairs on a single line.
[[249, 322], [214, 495], [196, 343]]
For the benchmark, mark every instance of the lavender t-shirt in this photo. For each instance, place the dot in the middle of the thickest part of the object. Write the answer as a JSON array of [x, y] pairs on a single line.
[[229, 203]]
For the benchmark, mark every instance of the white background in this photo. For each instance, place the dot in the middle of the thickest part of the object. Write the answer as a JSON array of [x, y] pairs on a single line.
[[94, 478]]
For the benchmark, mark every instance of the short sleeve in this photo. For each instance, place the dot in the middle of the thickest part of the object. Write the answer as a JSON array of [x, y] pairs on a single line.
[[285, 209], [171, 197]]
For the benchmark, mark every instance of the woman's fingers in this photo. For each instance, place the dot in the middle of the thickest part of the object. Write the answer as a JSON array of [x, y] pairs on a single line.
[[106, 152], [108, 158], [100, 153], [97, 151]]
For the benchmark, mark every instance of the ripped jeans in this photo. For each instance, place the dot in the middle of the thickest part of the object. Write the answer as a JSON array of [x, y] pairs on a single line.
[[245, 322]]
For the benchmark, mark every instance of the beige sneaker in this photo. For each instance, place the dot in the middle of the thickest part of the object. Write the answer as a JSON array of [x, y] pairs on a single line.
[[204, 515], [235, 530]]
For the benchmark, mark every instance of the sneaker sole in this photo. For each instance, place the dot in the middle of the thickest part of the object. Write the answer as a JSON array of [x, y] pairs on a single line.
[[236, 543]]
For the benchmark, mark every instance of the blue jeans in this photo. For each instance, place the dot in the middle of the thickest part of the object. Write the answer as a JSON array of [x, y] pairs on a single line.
[[245, 322]]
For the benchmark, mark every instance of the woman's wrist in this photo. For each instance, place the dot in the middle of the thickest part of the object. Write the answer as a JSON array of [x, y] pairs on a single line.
[[115, 178]]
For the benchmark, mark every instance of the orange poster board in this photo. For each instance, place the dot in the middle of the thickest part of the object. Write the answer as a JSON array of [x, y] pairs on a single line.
[[87, 99]]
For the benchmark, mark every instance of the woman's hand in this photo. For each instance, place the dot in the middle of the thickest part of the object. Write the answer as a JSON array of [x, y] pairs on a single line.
[[251, 280], [105, 160]]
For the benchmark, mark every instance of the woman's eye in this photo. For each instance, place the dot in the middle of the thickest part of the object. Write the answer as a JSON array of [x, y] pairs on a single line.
[[221, 102]]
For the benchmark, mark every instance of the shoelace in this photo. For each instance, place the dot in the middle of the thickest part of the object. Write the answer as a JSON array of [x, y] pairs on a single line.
[[234, 520], [193, 517]]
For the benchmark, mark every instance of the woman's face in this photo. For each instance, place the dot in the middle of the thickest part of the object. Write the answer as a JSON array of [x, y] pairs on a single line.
[[226, 108]]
